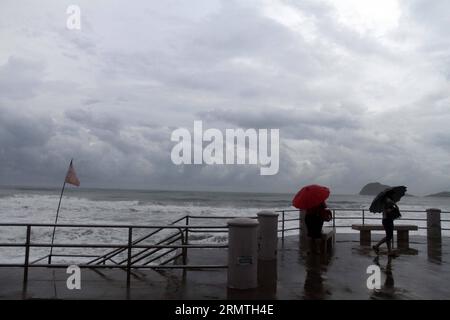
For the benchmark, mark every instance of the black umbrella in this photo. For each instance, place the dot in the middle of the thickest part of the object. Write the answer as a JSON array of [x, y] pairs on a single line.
[[394, 193]]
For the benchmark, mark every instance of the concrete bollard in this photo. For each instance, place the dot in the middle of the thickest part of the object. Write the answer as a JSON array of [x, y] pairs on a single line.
[[434, 224], [242, 253], [268, 278], [434, 235], [267, 235]]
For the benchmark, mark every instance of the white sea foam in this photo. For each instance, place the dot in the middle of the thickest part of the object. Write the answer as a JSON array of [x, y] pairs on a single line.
[[160, 209]]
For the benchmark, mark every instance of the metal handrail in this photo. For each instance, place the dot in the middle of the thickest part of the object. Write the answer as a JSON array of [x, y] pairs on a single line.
[[141, 266], [160, 256], [116, 252], [363, 218], [168, 244], [170, 259], [117, 226], [169, 241], [103, 245], [283, 220], [356, 209]]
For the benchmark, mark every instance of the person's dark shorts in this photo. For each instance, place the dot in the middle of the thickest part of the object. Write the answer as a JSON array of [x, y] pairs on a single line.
[[388, 225], [314, 225]]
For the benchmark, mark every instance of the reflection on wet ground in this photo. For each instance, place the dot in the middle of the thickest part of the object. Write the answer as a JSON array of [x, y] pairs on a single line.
[[420, 272]]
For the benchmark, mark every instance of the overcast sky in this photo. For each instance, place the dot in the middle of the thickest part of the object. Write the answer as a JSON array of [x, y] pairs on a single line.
[[360, 91]]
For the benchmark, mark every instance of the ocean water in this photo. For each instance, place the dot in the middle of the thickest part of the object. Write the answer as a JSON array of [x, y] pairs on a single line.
[[137, 207]]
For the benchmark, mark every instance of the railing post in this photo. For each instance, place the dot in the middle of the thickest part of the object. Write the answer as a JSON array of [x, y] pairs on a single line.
[[282, 226], [130, 244], [27, 255], [186, 241], [434, 224], [434, 234], [184, 249], [334, 218], [363, 216]]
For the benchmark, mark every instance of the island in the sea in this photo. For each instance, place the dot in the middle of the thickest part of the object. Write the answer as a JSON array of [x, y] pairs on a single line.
[[440, 194], [373, 188]]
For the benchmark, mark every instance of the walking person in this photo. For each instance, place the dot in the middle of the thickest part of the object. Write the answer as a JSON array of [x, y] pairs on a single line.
[[386, 202], [389, 213]]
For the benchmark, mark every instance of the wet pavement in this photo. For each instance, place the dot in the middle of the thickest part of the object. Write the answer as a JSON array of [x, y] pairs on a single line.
[[417, 273]]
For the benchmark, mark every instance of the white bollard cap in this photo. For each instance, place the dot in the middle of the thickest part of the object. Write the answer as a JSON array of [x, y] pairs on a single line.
[[267, 213], [243, 222]]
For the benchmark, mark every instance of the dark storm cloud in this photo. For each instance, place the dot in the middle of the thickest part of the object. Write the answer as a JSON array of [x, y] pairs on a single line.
[[22, 130], [23, 139]]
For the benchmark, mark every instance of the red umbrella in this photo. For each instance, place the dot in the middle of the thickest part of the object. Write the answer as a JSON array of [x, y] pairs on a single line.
[[310, 196]]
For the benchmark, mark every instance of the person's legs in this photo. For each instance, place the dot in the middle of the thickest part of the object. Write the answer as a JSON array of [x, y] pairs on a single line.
[[388, 225], [318, 223], [310, 229], [314, 245], [388, 243], [314, 227], [389, 228], [377, 246]]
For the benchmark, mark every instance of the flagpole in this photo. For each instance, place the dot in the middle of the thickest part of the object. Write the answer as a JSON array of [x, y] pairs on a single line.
[[56, 218]]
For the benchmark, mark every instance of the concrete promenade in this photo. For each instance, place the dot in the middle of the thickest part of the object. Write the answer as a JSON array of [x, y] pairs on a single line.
[[416, 273]]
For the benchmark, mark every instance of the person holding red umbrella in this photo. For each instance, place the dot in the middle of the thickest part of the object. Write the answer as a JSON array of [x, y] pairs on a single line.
[[312, 199]]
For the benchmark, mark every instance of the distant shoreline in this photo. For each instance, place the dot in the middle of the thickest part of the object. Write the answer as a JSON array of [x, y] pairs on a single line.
[[443, 194]]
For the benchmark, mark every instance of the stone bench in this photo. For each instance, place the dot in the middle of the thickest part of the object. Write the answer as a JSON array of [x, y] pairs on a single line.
[[402, 233], [328, 239]]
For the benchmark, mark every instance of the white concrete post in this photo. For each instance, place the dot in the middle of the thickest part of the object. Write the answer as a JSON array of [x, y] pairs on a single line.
[[267, 235], [242, 253], [434, 224]]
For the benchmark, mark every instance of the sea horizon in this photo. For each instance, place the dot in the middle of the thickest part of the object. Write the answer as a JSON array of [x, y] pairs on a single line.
[[141, 189]]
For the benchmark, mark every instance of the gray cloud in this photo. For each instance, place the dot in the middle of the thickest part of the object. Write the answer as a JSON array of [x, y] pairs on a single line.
[[353, 103], [20, 78]]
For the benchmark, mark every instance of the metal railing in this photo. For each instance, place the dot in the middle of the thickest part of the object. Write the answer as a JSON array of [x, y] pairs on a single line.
[[137, 254], [172, 238], [362, 218], [142, 259]]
